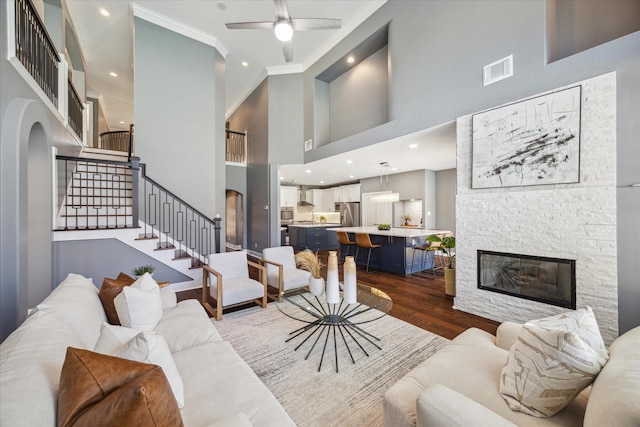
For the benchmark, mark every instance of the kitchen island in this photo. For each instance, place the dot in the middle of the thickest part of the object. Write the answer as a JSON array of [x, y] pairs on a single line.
[[396, 251], [313, 235]]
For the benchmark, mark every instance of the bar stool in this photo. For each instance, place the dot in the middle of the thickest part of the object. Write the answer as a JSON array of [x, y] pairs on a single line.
[[343, 239], [424, 256], [364, 241]]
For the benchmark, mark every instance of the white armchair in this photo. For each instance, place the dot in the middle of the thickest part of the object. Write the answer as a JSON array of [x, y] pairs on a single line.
[[281, 269], [227, 277]]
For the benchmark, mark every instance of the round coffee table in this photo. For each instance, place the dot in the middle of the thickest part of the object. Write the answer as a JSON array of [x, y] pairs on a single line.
[[334, 321]]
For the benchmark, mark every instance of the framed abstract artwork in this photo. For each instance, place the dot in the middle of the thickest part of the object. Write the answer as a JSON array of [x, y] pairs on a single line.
[[532, 142]]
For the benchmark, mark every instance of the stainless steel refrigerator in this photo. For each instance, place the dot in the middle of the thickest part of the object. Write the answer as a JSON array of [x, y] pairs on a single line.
[[349, 213]]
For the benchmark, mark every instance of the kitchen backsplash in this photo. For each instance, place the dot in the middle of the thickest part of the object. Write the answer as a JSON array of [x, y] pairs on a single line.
[[332, 217]]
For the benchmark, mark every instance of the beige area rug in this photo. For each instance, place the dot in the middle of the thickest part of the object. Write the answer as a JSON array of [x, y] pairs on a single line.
[[352, 397]]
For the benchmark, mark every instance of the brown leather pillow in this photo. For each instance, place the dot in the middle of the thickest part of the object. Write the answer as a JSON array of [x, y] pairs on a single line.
[[109, 290], [110, 391]]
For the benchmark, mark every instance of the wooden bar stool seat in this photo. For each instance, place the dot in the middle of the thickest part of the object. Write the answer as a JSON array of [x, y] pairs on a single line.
[[343, 239], [427, 252], [364, 241]]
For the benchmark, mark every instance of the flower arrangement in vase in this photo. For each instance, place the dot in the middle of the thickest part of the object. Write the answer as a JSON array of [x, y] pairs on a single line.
[[308, 260], [407, 219]]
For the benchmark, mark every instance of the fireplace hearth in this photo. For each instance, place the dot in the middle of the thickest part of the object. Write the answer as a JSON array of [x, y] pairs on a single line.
[[548, 280]]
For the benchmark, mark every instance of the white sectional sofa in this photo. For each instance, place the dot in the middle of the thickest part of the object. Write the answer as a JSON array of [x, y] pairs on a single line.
[[459, 386], [220, 389]]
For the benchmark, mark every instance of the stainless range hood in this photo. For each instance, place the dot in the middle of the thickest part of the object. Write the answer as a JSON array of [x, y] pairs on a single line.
[[303, 198]]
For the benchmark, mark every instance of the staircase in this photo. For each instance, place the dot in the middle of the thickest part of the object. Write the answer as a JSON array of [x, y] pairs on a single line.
[[98, 203]]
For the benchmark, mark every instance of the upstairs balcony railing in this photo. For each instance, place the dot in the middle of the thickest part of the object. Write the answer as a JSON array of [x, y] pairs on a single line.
[[75, 108], [34, 56], [236, 147], [35, 50], [119, 140]]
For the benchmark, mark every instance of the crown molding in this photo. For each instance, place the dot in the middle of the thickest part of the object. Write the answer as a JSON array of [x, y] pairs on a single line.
[[179, 27]]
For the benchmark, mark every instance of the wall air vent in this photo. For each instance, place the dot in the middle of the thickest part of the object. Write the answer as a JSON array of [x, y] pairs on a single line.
[[308, 145], [498, 70]]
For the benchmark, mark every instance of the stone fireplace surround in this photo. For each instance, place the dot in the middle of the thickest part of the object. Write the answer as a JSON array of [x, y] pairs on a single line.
[[572, 221]]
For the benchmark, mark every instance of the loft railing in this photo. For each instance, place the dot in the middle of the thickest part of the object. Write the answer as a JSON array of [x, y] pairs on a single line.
[[75, 108], [35, 50], [119, 140], [236, 147], [180, 225]]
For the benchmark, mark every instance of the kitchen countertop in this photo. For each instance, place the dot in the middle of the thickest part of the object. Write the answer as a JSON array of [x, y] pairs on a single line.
[[395, 232], [313, 224]]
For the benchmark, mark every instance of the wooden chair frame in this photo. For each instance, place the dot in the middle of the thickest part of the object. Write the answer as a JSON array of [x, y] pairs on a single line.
[[217, 312], [280, 277]]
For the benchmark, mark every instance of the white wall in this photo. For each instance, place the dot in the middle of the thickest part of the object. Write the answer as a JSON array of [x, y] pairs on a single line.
[[574, 221]]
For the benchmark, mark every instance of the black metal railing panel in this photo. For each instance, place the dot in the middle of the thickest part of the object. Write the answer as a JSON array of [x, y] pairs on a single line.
[[35, 50], [75, 108], [116, 140], [99, 194], [236, 147], [177, 224]]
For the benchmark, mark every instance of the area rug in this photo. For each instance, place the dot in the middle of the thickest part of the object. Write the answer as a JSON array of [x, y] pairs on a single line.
[[352, 397]]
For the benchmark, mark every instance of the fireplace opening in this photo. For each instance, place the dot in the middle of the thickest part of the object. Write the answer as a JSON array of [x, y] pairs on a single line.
[[548, 280]]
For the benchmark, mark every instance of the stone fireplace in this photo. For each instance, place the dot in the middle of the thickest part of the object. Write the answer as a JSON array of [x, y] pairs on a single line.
[[574, 222]]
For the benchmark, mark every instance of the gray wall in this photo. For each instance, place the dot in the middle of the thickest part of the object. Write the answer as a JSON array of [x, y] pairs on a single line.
[[436, 59], [100, 258], [445, 213], [359, 98], [178, 122], [272, 117]]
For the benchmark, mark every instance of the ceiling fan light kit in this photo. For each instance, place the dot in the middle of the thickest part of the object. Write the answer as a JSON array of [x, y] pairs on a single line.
[[283, 31]]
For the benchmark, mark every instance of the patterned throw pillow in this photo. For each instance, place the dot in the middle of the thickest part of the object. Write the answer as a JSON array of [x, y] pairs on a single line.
[[552, 361]]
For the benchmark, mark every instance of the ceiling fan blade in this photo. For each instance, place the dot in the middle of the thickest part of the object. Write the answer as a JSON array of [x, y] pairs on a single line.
[[282, 11], [304, 24], [264, 25], [287, 49]]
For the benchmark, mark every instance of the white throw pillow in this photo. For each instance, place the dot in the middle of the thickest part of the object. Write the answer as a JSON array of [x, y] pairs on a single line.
[[151, 347], [139, 305], [113, 337], [551, 362]]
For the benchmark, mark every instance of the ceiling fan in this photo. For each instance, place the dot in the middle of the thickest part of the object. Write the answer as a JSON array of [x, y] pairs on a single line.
[[285, 25]]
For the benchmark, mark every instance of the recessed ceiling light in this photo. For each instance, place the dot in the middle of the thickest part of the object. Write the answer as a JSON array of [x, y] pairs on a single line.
[[350, 176], [394, 169], [104, 12], [308, 171], [350, 60], [321, 182], [121, 122], [245, 64], [413, 146], [281, 178], [349, 162], [112, 74]]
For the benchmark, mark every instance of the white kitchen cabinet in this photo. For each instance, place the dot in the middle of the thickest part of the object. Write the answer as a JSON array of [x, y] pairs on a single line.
[[288, 196], [351, 193], [315, 196], [328, 204], [338, 195]]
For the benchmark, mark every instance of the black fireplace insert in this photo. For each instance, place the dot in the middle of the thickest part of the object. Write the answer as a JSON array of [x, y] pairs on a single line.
[[547, 280]]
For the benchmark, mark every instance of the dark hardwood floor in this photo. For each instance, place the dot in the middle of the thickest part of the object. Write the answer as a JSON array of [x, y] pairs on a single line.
[[417, 299]]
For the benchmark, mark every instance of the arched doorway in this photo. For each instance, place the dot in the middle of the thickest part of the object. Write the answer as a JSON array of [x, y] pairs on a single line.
[[235, 220]]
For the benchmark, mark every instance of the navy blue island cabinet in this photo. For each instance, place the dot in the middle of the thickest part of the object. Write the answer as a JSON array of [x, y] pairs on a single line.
[[396, 251], [312, 236]]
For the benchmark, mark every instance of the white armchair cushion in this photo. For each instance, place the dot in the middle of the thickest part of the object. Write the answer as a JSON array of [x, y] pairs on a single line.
[[151, 347], [238, 290], [231, 265], [552, 361], [292, 277], [140, 305]]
